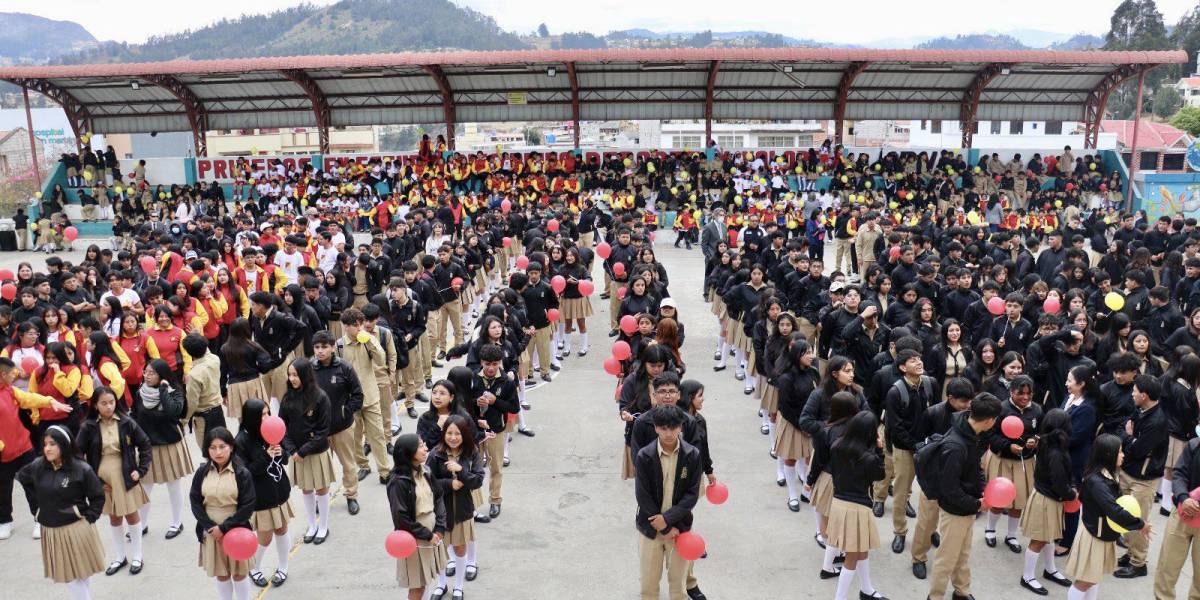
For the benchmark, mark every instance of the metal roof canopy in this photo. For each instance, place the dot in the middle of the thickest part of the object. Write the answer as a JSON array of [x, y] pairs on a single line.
[[574, 85]]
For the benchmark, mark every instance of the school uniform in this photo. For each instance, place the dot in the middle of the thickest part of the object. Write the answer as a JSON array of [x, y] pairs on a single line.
[[573, 305], [1042, 519], [408, 320], [309, 434], [66, 501], [203, 394], [114, 448], [851, 525], [1017, 467], [221, 497], [246, 382], [1094, 554], [903, 406], [819, 477], [416, 504], [272, 488], [1179, 538], [1145, 457], [496, 415], [278, 333], [666, 483], [459, 504], [795, 386], [935, 420], [158, 411], [959, 491], [340, 383], [365, 358]]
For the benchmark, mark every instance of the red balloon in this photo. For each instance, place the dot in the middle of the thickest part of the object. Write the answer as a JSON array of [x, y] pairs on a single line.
[[1051, 306], [272, 429], [507, 242], [400, 544], [552, 225], [586, 287], [148, 264], [456, 282], [506, 205], [1194, 521], [1070, 186], [894, 252], [8, 291], [70, 233], [239, 543], [1012, 427], [612, 366], [621, 350], [30, 364], [996, 306], [1073, 505], [621, 293], [522, 262], [603, 250], [629, 324], [689, 545], [558, 283], [999, 492], [717, 493], [6, 275], [619, 269], [552, 314]]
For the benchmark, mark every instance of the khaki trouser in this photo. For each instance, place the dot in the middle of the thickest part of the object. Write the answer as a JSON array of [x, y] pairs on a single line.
[[614, 303], [346, 448], [369, 423], [495, 453], [585, 239], [927, 520], [410, 376], [450, 313], [880, 492], [1142, 491], [426, 351], [653, 554], [952, 564], [360, 300], [843, 248], [88, 212], [541, 344], [905, 473], [1178, 540], [386, 397], [275, 381], [22, 238]]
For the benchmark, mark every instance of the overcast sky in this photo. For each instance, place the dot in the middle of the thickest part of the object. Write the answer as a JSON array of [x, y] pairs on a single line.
[[854, 22]]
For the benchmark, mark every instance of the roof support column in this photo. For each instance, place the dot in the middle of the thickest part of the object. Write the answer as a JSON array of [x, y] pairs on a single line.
[[77, 113], [1135, 160], [574, 79], [320, 105], [843, 95], [970, 101], [196, 115], [443, 84], [713, 68], [1097, 100]]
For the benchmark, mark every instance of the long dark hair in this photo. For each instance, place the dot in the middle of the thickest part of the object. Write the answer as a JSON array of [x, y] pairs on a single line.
[[94, 413], [234, 349], [466, 430], [842, 406], [101, 348], [836, 363], [298, 402], [1086, 376], [858, 442], [1105, 449], [789, 359], [164, 372], [59, 351], [1056, 430], [66, 445], [403, 451], [687, 392], [252, 418]]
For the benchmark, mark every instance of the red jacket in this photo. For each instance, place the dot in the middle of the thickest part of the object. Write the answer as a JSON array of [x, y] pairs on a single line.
[[135, 349]]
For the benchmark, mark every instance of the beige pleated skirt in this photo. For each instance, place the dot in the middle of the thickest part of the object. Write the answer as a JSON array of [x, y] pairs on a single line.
[[1174, 450], [1020, 474], [422, 567], [575, 308], [822, 493], [1042, 519], [170, 462], [243, 391], [315, 472], [1091, 559], [627, 471], [462, 533], [71, 552], [218, 564], [480, 281], [851, 527], [770, 398], [718, 305], [733, 332], [791, 443], [477, 497], [273, 518], [119, 500]]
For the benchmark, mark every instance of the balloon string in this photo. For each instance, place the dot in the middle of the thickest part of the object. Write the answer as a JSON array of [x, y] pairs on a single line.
[[275, 469]]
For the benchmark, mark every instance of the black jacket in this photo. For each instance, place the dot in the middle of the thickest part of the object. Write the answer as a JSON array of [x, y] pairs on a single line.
[[853, 479], [935, 420], [648, 488], [1115, 407], [62, 496], [252, 451], [539, 298], [278, 334], [795, 386], [1016, 336], [308, 432], [642, 433], [497, 412], [1031, 417], [901, 415], [1098, 493], [340, 383], [1146, 449], [1179, 404], [245, 501], [822, 442], [428, 429], [161, 426], [134, 444], [1186, 472], [816, 411], [254, 364], [458, 503], [1052, 473], [960, 484], [402, 500]]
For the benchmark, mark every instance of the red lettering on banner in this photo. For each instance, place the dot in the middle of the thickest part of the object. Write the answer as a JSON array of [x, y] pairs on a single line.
[[219, 170], [203, 166]]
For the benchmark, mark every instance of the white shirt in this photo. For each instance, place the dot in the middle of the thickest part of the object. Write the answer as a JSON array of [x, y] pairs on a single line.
[[326, 257], [290, 263], [128, 298]]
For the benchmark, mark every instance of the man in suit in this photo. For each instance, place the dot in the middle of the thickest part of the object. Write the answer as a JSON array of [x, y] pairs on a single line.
[[712, 235], [667, 486]]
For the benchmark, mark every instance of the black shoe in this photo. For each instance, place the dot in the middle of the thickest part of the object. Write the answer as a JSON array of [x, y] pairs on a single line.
[[451, 568], [553, 367], [898, 544], [1164, 512], [820, 542], [1130, 572], [438, 593], [506, 461], [1124, 560], [839, 559], [696, 594], [428, 386], [114, 567], [480, 518], [1013, 545], [320, 539], [494, 511], [989, 540], [720, 368], [174, 531], [441, 355], [366, 449], [309, 537], [875, 596], [412, 412], [604, 296], [437, 363], [352, 506], [717, 355], [794, 505], [877, 509], [135, 567], [383, 480], [472, 572], [362, 474], [909, 511], [935, 539], [582, 352], [1038, 589], [781, 482], [954, 596], [891, 490], [830, 574], [256, 577], [279, 578], [396, 429], [1056, 577], [612, 333], [527, 432], [919, 570]]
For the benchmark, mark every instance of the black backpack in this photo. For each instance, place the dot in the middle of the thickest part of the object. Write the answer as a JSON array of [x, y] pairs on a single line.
[[925, 461]]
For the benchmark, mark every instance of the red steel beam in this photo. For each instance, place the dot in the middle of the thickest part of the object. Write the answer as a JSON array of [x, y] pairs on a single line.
[[574, 79], [843, 95], [970, 101], [1093, 109], [192, 105], [713, 68], [443, 84], [1135, 159], [320, 105]]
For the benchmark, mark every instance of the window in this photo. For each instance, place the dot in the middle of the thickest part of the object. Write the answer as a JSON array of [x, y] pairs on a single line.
[[776, 141], [804, 141], [679, 142], [1016, 127], [1053, 127], [1172, 162], [995, 127], [935, 127], [730, 142]]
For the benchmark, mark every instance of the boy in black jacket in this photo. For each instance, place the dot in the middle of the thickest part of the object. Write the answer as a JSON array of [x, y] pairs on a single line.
[[339, 381], [905, 401], [936, 420], [1144, 440], [665, 503]]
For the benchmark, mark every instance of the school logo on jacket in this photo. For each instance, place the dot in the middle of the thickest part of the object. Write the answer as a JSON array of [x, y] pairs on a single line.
[[683, 474]]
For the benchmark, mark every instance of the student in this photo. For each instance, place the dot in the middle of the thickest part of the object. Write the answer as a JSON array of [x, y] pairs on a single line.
[[117, 449], [340, 383], [497, 402], [222, 497], [67, 498], [1179, 537], [365, 355], [1013, 459], [958, 492], [203, 389], [903, 405], [842, 407], [244, 365], [443, 403], [408, 320], [665, 501], [1144, 444], [158, 408], [457, 468], [305, 411], [796, 377], [272, 489], [416, 505], [856, 463], [691, 400], [1042, 520], [935, 421], [18, 449], [1094, 551]]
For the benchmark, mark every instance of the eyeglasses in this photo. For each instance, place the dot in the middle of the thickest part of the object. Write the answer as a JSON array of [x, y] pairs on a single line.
[[667, 392]]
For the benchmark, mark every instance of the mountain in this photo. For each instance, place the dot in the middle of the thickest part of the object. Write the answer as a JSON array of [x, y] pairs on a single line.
[[974, 41], [1079, 41], [28, 38], [347, 27]]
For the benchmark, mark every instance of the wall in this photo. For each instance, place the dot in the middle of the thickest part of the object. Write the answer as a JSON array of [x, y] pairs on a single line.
[[1168, 194]]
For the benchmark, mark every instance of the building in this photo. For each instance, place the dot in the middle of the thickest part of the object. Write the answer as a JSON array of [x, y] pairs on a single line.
[[1161, 146], [689, 135], [291, 140], [1006, 135], [15, 158], [1189, 89]]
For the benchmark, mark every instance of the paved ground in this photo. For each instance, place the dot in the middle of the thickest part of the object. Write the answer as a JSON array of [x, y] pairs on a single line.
[[566, 530]]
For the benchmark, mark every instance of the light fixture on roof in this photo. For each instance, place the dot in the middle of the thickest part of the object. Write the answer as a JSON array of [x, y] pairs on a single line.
[[664, 67], [551, 72], [1005, 71], [135, 85], [787, 68]]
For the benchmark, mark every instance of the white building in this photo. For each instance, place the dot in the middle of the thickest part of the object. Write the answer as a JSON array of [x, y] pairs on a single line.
[[1189, 89], [680, 135], [1000, 135]]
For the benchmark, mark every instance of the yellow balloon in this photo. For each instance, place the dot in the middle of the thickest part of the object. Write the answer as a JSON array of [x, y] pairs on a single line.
[[649, 167], [845, 179], [749, 156], [1131, 506], [799, 170], [878, 166], [867, 184], [977, 169], [33, 226], [118, 189], [1058, 204], [1092, 166], [87, 175], [162, 195], [37, 195], [733, 170], [628, 162], [911, 195], [819, 168], [1114, 301], [893, 205], [363, 337]]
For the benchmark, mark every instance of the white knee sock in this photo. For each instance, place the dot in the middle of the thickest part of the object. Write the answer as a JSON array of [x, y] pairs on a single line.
[[817, 523], [80, 590], [1031, 560], [224, 589], [135, 542], [770, 431], [323, 505], [144, 510], [460, 574], [992, 518], [310, 511], [740, 356], [241, 589], [1048, 559], [175, 491], [283, 549], [802, 473], [779, 470], [1092, 592], [442, 578], [844, 581], [789, 474], [864, 577], [1164, 488], [1073, 593], [830, 553], [118, 539], [1014, 526], [583, 341], [520, 418], [471, 553], [256, 566]]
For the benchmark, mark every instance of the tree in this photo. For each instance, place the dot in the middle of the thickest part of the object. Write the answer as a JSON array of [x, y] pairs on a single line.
[[1186, 35], [543, 31], [1188, 119], [533, 137], [1166, 101], [1136, 25]]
